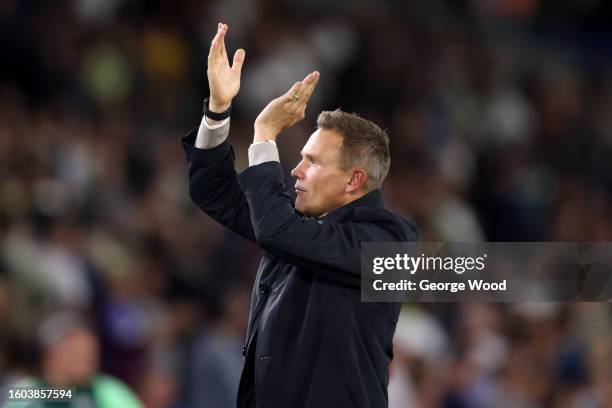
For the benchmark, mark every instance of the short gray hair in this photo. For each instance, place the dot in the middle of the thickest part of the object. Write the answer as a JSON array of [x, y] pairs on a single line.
[[364, 144]]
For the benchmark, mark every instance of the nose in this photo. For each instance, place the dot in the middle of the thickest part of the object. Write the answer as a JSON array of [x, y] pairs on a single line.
[[297, 171]]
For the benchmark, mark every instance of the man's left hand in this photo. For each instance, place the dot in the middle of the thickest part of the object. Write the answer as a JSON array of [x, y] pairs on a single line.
[[285, 110]]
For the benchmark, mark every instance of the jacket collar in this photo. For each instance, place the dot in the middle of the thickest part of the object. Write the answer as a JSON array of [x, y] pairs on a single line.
[[373, 199]]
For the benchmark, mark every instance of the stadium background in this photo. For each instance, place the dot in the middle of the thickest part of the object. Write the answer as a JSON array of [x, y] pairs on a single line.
[[500, 117]]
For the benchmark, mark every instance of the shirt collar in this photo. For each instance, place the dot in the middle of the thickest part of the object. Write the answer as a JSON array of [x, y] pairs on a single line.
[[373, 199]]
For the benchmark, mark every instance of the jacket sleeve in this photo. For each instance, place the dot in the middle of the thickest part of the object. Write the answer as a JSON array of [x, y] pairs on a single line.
[[214, 187], [331, 250]]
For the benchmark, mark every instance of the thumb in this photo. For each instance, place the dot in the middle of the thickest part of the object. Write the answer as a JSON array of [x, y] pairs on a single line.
[[238, 60]]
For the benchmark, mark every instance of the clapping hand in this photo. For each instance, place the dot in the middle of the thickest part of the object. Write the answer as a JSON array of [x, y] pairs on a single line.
[[285, 110], [223, 80]]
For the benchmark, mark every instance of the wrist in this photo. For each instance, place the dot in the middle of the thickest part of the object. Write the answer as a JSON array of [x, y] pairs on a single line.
[[218, 106], [262, 134]]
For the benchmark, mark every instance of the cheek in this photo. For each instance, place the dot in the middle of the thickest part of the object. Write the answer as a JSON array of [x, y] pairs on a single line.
[[328, 183], [318, 178]]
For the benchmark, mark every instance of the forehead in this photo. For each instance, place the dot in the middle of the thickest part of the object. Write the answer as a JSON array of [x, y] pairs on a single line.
[[324, 143]]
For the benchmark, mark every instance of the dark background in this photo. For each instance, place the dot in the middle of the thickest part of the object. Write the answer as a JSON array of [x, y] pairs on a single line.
[[500, 118]]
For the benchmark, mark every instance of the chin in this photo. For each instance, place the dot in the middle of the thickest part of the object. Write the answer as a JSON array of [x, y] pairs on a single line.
[[303, 210], [299, 206]]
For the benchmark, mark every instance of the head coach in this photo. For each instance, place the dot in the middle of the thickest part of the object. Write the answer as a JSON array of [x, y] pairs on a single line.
[[310, 342]]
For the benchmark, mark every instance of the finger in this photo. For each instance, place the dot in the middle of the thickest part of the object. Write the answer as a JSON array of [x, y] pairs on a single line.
[[310, 83], [292, 94], [222, 49], [214, 45], [238, 60], [312, 77]]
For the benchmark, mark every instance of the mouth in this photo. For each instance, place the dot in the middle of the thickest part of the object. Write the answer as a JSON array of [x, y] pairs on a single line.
[[299, 190]]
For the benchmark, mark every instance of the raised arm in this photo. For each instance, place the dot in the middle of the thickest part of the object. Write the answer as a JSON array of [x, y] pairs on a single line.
[[328, 246], [213, 181]]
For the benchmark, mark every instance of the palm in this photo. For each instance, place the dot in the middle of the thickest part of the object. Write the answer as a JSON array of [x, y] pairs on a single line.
[[224, 83], [223, 80]]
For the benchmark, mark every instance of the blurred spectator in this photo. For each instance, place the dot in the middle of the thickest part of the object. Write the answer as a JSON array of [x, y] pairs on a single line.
[[216, 363], [70, 359]]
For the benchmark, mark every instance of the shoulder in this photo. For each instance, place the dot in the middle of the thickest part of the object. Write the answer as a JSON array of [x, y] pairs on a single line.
[[111, 392], [399, 228]]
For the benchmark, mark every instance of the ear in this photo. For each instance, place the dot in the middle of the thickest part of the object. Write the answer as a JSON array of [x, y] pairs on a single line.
[[357, 181]]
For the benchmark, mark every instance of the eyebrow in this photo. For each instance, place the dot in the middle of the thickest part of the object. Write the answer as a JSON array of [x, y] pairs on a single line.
[[309, 156]]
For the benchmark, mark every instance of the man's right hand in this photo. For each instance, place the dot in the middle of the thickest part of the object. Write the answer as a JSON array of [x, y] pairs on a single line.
[[223, 80]]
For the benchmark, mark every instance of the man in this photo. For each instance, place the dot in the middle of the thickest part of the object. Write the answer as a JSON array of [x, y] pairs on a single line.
[[70, 359], [310, 341]]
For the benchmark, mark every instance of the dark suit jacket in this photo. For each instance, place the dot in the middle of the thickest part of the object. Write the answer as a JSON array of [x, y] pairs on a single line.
[[311, 342]]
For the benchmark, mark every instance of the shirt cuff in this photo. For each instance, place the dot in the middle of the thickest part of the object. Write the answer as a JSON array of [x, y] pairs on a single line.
[[210, 136], [261, 152]]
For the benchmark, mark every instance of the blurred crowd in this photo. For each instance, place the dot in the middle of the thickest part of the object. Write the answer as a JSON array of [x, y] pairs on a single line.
[[500, 118]]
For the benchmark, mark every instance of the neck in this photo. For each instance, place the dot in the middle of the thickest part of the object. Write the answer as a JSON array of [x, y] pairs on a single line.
[[355, 195]]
